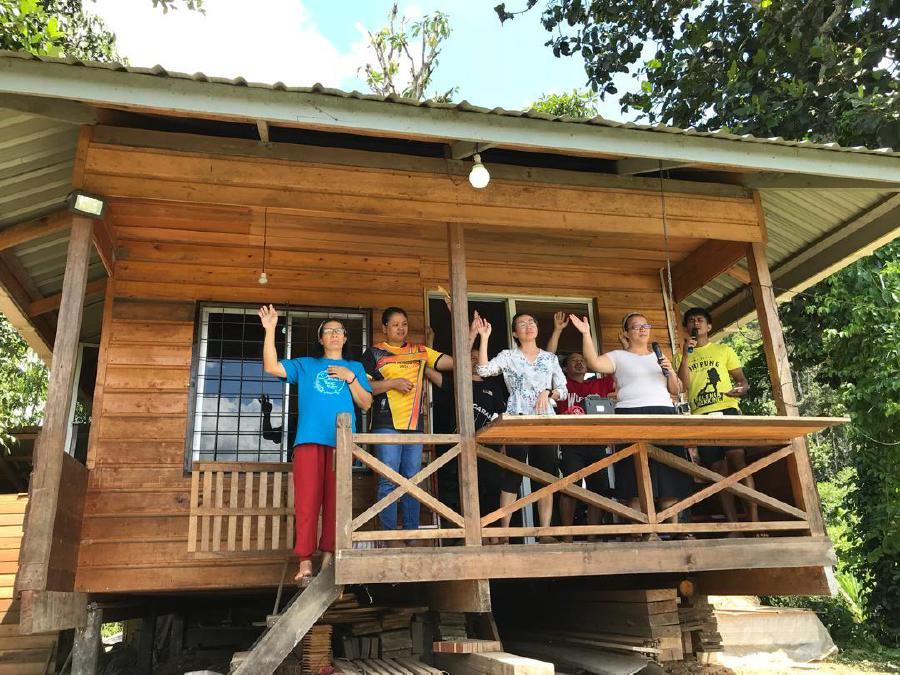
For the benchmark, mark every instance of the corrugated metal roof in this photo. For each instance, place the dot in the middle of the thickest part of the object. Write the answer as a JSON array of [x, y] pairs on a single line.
[[36, 159], [462, 106]]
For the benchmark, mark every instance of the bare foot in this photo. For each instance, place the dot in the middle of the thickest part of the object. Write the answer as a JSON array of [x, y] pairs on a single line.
[[304, 573]]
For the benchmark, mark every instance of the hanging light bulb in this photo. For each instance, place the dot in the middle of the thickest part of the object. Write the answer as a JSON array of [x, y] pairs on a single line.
[[479, 176], [263, 278]]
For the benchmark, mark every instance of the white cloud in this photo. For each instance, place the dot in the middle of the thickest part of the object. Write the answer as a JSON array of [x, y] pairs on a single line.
[[234, 37]]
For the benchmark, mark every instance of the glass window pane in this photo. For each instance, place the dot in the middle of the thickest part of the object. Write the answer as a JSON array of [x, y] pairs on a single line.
[[248, 442], [226, 442]]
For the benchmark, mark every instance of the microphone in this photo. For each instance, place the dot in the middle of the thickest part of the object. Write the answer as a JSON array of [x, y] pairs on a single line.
[[693, 335], [659, 356]]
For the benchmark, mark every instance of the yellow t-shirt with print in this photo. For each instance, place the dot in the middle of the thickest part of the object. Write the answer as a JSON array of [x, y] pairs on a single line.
[[394, 409], [709, 377]]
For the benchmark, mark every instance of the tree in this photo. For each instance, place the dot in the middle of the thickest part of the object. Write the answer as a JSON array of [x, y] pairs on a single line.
[[23, 383], [820, 69], [418, 44], [64, 28], [580, 104]]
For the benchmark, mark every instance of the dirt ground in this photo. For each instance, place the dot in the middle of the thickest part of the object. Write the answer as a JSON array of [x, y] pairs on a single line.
[[826, 668]]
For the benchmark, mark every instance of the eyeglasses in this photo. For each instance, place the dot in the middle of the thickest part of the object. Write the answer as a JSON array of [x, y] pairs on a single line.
[[525, 324], [641, 326], [334, 331]]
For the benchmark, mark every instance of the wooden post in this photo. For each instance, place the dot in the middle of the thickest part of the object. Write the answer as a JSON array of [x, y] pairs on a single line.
[[343, 476], [462, 379], [802, 478], [50, 447], [86, 650]]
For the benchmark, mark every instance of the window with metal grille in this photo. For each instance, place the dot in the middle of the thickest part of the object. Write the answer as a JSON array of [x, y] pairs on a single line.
[[241, 414]]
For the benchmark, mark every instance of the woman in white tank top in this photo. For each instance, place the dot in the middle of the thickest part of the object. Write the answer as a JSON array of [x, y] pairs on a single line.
[[642, 389]]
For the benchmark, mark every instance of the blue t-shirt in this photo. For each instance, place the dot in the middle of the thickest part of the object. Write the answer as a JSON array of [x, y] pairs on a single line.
[[321, 397]]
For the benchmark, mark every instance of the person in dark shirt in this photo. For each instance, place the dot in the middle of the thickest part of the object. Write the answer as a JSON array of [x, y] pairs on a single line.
[[488, 401]]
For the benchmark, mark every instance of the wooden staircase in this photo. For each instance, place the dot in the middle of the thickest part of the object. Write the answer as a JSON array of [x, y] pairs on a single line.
[[285, 633]]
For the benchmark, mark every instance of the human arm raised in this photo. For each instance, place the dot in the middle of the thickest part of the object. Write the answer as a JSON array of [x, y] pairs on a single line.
[[596, 363], [560, 321], [268, 315], [486, 367]]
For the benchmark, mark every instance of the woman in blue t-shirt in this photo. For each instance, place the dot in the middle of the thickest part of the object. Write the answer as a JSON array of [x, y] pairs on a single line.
[[327, 385]]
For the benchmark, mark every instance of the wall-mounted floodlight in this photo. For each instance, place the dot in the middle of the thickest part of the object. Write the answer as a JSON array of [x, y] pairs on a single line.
[[86, 204]]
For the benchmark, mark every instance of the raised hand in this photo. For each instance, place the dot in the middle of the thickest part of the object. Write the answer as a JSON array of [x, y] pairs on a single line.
[[473, 327], [582, 325], [484, 328], [560, 321], [269, 317]]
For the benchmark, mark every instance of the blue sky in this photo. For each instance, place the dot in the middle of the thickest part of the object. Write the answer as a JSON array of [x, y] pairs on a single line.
[[301, 42]]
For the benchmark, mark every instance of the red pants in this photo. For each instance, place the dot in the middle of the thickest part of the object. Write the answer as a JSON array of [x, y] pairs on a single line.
[[314, 491]]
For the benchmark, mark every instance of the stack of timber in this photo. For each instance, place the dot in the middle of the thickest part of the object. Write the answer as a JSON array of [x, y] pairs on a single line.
[[19, 654], [315, 649], [700, 631], [397, 666], [642, 622], [451, 625]]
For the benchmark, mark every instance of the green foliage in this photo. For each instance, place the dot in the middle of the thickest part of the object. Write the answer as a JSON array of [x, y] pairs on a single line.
[[418, 45], [63, 28], [819, 69], [23, 383], [579, 104], [845, 338]]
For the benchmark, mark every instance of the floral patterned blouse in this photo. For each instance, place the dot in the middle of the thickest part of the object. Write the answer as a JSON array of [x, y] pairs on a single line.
[[526, 380]]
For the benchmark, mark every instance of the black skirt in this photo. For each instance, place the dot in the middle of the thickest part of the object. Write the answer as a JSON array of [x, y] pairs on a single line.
[[668, 483]]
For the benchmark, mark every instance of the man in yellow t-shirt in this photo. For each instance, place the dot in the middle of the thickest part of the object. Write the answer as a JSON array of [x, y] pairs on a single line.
[[714, 379]]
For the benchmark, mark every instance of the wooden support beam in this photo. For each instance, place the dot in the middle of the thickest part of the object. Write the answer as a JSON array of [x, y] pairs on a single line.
[[16, 295], [462, 380], [707, 262], [105, 245], [25, 232], [52, 302], [263, 128], [301, 613], [86, 650], [802, 478], [49, 611], [738, 274], [343, 476], [398, 565], [460, 596], [34, 558], [56, 109], [637, 165]]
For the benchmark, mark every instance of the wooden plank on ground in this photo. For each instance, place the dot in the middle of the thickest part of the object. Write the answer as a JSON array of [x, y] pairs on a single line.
[[492, 663]]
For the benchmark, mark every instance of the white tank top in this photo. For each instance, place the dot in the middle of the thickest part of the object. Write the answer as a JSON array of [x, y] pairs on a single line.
[[639, 380]]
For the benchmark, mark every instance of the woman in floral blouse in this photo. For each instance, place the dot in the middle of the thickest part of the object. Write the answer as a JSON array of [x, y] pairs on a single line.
[[535, 382]]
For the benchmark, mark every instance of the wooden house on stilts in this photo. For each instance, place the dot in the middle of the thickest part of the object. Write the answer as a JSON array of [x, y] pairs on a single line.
[[174, 487]]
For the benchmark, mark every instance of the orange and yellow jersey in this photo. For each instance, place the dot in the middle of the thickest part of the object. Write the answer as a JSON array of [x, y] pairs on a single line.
[[394, 409]]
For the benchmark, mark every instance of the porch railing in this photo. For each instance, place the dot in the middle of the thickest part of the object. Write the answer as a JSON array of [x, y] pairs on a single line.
[[629, 521], [241, 507]]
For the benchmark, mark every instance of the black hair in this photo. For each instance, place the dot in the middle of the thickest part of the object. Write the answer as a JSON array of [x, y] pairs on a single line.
[[696, 311], [389, 312], [319, 348]]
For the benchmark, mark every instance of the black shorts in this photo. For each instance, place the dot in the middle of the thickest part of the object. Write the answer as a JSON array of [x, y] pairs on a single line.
[[668, 483], [711, 454], [543, 457], [576, 457]]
